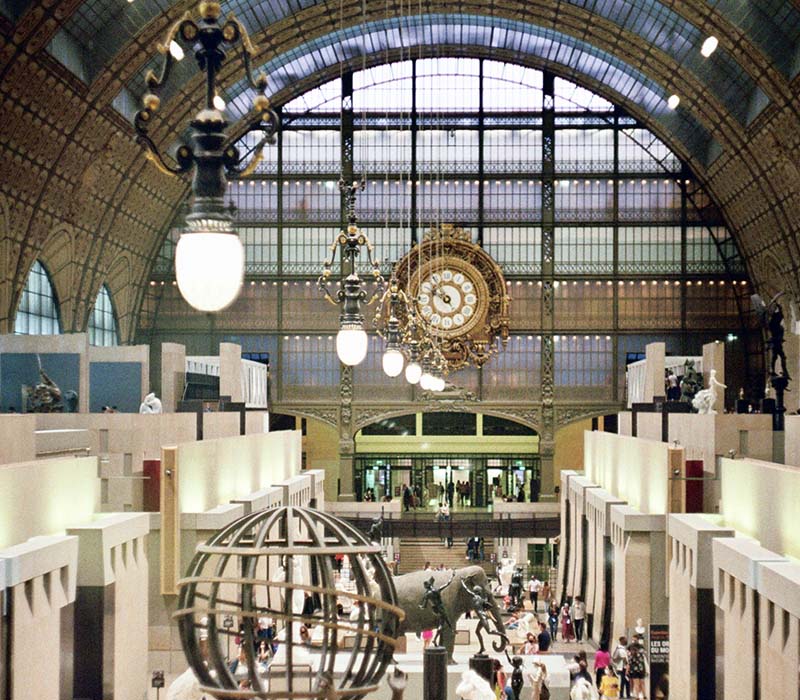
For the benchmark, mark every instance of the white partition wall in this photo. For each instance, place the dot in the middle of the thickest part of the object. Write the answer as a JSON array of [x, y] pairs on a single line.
[[759, 499], [216, 471], [692, 652], [318, 486], [67, 493], [633, 469]]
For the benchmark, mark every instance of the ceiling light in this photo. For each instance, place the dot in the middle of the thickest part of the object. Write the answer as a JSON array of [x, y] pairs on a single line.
[[219, 103], [709, 46], [673, 101], [176, 50]]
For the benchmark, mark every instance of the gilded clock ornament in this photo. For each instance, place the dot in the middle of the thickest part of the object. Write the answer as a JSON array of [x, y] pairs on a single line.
[[458, 293]]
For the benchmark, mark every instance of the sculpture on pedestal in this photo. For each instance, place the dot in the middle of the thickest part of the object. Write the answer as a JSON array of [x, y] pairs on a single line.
[[515, 589], [691, 381], [456, 600], [517, 680], [47, 397], [704, 400], [375, 532], [433, 596], [771, 317], [473, 687], [479, 604], [151, 404]]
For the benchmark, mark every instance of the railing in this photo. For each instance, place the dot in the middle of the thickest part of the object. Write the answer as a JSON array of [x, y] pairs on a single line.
[[461, 527], [255, 388]]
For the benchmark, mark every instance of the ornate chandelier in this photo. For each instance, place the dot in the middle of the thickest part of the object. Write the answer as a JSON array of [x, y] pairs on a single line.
[[209, 258], [352, 340]]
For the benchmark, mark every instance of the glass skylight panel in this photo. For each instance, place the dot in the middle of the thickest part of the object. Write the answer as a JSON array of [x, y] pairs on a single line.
[[37, 313]]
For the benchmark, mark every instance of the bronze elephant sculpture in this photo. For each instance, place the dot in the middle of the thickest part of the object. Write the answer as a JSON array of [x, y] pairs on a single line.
[[410, 589]]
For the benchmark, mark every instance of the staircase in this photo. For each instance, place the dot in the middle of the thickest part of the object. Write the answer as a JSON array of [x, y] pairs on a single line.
[[415, 552]]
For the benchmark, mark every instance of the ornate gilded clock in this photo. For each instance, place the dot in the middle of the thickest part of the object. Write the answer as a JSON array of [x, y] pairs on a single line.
[[459, 294]]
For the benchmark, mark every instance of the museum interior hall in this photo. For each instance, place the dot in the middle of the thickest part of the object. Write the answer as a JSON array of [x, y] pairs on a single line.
[[397, 349]]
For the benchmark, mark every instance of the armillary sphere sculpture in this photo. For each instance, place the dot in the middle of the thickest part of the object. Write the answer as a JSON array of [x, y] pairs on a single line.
[[266, 565]]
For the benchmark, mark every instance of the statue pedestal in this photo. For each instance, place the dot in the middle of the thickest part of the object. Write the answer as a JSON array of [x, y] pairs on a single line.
[[482, 665], [434, 670], [779, 384]]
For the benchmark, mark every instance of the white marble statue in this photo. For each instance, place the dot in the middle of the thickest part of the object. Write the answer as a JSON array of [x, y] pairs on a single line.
[[474, 687], [300, 654], [505, 571], [185, 687], [374, 588], [583, 690], [705, 399], [535, 675], [151, 404]]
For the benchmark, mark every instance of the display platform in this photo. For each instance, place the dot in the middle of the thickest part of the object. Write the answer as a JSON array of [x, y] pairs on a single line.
[[557, 674]]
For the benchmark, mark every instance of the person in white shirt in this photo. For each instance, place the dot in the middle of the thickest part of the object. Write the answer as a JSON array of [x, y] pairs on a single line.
[[578, 615], [619, 658], [534, 586]]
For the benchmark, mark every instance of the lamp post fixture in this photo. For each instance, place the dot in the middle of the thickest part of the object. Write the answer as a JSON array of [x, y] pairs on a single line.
[[209, 259], [392, 307], [352, 340]]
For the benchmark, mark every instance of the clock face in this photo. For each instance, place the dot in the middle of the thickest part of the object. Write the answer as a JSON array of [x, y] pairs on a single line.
[[451, 297]]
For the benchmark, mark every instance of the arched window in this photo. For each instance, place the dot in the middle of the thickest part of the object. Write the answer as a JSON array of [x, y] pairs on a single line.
[[103, 321], [37, 313]]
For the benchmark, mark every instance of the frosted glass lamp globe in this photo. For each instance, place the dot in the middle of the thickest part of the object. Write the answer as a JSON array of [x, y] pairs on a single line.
[[209, 268], [413, 372], [426, 381], [351, 345], [393, 362]]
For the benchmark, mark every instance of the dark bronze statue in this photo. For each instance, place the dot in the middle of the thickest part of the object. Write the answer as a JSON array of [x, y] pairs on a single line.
[[46, 395], [433, 596], [457, 600], [776, 333], [375, 532], [515, 589], [691, 381], [517, 680], [480, 605]]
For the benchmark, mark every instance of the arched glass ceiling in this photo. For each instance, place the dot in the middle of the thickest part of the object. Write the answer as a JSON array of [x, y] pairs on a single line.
[[104, 27], [725, 79], [577, 58]]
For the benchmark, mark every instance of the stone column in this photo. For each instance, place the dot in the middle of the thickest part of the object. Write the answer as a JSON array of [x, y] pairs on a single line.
[[779, 630], [655, 354], [173, 375], [565, 542], [230, 371], [737, 567], [692, 648], [598, 595], [112, 593], [639, 569], [40, 593]]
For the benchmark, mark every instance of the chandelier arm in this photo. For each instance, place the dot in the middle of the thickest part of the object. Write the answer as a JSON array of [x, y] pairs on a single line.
[[172, 32], [269, 122], [184, 156], [187, 30]]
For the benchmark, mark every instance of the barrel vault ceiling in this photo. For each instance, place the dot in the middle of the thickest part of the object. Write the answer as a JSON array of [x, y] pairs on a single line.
[[77, 192]]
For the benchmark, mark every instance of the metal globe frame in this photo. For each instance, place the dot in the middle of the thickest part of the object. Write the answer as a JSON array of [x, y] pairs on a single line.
[[287, 533]]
